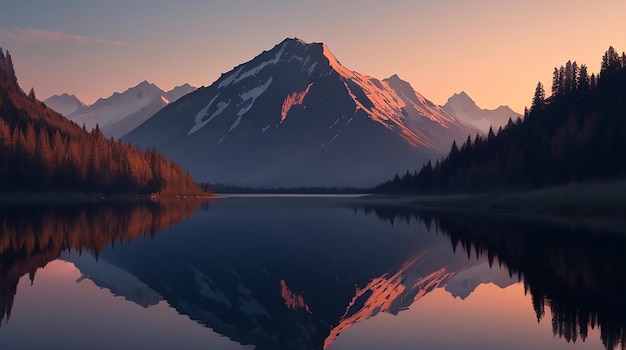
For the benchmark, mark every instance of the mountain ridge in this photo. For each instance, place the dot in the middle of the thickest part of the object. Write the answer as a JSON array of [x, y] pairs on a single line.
[[293, 116], [65, 103], [462, 106], [121, 112]]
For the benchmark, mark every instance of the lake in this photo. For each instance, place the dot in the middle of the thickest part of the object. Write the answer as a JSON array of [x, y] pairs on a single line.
[[307, 273]]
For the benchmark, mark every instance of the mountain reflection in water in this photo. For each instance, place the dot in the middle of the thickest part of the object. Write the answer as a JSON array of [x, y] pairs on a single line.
[[295, 273]]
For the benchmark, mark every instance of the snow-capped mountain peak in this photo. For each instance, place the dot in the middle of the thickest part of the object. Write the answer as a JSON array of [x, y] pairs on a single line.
[[463, 107], [295, 102], [121, 112], [64, 104]]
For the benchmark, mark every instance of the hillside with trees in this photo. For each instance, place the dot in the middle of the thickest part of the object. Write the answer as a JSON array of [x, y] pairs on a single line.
[[42, 151], [578, 134]]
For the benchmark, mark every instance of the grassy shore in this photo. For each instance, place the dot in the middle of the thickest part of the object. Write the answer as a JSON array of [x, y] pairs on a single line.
[[574, 198]]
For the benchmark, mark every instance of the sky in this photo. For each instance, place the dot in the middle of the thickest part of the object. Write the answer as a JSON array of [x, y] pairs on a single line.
[[495, 51]]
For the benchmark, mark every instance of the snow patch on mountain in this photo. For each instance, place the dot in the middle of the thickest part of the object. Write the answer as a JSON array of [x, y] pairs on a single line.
[[252, 95], [333, 124], [237, 76], [311, 68], [331, 140], [293, 99], [235, 124], [200, 121], [229, 79]]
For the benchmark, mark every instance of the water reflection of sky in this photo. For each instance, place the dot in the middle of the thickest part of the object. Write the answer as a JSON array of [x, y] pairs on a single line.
[[58, 312], [299, 273], [489, 318]]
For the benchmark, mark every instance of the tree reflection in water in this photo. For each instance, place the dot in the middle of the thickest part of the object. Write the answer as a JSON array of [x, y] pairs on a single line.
[[577, 268], [32, 236], [292, 274]]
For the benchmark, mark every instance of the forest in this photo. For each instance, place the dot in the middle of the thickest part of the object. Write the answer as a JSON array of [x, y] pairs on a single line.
[[42, 151], [577, 134]]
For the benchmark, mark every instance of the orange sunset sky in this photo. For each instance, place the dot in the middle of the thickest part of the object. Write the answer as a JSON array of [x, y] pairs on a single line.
[[496, 51]]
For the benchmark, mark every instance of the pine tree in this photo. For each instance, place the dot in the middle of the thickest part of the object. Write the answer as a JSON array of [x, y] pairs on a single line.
[[9, 71], [583, 79], [31, 94], [539, 99], [490, 135], [568, 77], [610, 62], [556, 82]]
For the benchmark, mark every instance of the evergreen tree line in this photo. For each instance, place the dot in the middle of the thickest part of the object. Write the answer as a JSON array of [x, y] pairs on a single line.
[[40, 150], [576, 134]]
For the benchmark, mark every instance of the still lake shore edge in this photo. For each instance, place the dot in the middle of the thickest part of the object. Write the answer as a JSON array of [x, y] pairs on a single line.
[[597, 198], [28, 198]]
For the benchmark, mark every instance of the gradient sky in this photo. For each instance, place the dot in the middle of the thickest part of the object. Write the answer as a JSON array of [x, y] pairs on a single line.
[[496, 51]]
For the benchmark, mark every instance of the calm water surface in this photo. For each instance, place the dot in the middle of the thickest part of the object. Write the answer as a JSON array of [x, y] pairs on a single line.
[[306, 273]]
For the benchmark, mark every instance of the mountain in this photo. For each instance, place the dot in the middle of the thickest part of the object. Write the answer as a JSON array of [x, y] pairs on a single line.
[[122, 112], [294, 116], [42, 151], [178, 92], [465, 109], [64, 104]]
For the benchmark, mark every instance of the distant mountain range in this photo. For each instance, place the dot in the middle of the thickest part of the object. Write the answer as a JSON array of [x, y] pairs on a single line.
[[465, 109], [294, 116], [121, 112], [64, 104]]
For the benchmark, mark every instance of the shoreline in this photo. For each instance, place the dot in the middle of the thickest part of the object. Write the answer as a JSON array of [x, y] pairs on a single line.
[[33, 198], [607, 198]]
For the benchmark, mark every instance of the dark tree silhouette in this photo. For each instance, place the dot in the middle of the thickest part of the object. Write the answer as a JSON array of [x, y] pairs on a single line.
[[577, 134], [539, 98]]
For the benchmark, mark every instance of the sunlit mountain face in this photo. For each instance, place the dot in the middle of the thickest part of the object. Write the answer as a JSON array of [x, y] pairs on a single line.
[[298, 273], [295, 116]]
